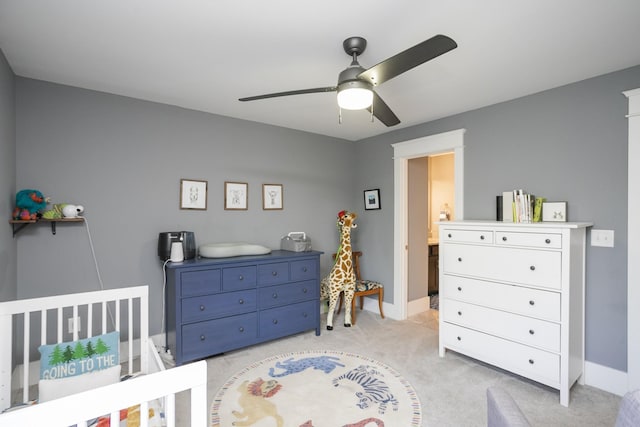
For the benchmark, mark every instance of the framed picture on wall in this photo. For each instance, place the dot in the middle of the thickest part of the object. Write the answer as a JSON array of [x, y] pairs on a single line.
[[372, 199], [235, 195], [193, 194], [271, 196]]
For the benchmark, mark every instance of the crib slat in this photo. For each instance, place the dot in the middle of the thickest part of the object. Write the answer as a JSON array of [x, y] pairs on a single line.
[[170, 410], [59, 311], [89, 320], [130, 337], [104, 306], [43, 327], [25, 357]]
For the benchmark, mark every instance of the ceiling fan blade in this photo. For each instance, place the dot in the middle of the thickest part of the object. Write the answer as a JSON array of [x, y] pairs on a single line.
[[291, 92], [382, 112], [408, 59]]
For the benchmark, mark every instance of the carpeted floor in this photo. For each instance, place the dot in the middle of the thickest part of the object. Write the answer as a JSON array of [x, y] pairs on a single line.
[[452, 390]]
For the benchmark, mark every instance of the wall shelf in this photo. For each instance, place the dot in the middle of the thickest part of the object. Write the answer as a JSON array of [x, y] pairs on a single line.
[[19, 224]]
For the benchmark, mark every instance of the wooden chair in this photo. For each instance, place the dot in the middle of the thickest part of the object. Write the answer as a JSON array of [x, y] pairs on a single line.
[[363, 288]]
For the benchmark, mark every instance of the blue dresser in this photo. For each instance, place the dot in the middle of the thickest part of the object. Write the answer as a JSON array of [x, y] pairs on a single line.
[[218, 305]]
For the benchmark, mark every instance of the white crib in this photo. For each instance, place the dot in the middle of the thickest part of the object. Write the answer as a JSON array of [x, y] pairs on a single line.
[[29, 323]]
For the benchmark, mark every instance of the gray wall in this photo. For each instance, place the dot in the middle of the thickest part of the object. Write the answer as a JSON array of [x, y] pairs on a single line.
[[8, 272], [566, 144], [123, 159]]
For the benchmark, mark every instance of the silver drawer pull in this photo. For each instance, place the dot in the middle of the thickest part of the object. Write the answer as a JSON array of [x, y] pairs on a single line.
[[547, 241], [531, 331], [459, 313], [201, 307], [532, 302], [304, 269], [304, 291], [532, 268], [202, 337], [305, 315], [240, 301], [274, 273], [241, 277], [531, 361], [275, 295], [241, 329], [275, 321]]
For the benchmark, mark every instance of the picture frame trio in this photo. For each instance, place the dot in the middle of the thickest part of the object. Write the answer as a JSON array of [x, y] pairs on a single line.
[[193, 195]]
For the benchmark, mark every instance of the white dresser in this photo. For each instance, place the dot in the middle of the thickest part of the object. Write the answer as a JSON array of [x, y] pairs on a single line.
[[512, 295]]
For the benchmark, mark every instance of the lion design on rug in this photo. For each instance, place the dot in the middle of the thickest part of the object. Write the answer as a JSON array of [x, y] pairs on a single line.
[[254, 403]]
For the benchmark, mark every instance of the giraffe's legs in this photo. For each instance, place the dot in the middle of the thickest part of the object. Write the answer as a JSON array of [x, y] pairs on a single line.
[[333, 300], [348, 297]]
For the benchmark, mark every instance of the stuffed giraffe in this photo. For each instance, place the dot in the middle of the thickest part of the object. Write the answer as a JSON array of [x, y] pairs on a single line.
[[342, 278]]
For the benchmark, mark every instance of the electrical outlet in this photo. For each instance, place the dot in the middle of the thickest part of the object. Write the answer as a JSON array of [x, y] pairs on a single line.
[[602, 238], [71, 324]]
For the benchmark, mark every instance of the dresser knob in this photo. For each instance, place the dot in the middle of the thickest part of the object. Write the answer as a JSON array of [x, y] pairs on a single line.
[[274, 273], [202, 337], [459, 339], [482, 237], [449, 235], [304, 291], [304, 269], [240, 301], [241, 329], [201, 307], [275, 321], [305, 315], [531, 361], [275, 295], [459, 313], [504, 238], [241, 277], [459, 259], [547, 241], [531, 331], [532, 268], [532, 302], [460, 288]]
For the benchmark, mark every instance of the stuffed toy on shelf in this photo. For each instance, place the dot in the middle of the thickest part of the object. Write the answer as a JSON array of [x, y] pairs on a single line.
[[29, 204]]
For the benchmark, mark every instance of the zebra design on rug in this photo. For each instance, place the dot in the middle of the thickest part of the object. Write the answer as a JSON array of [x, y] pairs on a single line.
[[290, 366], [374, 390]]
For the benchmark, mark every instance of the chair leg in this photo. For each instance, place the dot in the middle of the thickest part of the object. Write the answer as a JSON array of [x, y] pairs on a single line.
[[353, 311], [361, 302], [380, 298]]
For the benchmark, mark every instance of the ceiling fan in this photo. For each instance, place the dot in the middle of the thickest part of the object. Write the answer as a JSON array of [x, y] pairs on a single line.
[[355, 84]]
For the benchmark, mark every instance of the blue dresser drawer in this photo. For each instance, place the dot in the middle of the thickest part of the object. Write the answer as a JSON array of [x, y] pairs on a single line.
[[216, 336], [304, 269], [218, 305], [274, 296], [235, 278], [200, 282], [289, 319], [274, 273]]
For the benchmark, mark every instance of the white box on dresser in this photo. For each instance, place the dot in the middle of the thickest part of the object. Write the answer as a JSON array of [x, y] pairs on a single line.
[[512, 295]]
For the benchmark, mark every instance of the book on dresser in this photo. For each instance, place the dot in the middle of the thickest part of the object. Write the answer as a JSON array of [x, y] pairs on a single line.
[[223, 304], [512, 295]]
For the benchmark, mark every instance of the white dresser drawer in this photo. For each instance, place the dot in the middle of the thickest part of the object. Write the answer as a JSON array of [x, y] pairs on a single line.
[[522, 266], [466, 236], [522, 329], [539, 365], [515, 299], [534, 240]]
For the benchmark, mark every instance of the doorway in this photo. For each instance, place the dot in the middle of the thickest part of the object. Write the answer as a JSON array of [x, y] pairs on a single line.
[[404, 151]]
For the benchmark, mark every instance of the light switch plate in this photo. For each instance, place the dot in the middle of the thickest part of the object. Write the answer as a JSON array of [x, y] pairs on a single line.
[[602, 238]]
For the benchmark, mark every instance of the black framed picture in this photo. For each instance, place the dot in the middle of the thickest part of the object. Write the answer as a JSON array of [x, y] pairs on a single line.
[[372, 199]]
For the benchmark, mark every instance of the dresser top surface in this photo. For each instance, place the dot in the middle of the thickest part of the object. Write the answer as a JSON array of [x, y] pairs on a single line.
[[530, 226], [275, 255]]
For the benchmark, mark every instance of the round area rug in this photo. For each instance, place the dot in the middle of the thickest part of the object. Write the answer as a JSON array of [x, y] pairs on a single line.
[[317, 389]]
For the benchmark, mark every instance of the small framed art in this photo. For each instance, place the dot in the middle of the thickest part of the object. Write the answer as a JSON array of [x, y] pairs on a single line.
[[193, 194], [271, 196], [235, 195], [554, 211], [372, 199]]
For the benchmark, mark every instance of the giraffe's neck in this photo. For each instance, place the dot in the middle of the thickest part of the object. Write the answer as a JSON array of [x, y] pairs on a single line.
[[345, 240]]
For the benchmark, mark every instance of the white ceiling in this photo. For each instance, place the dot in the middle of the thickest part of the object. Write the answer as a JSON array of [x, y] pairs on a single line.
[[205, 54]]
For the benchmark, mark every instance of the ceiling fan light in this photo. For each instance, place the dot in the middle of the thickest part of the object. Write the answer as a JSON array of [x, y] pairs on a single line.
[[355, 96]]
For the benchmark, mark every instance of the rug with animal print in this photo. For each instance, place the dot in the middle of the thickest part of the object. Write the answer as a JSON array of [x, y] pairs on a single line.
[[317, 389]]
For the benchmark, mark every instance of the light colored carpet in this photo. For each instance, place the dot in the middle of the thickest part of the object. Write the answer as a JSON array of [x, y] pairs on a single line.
[[316, 389], [452, 390]]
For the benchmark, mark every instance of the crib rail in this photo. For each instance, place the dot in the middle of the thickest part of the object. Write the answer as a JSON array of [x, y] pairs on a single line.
[[101, 311], [81, 408]]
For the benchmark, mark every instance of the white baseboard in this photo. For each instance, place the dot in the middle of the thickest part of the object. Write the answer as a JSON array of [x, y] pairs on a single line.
[[605, 378], [418, 306]]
